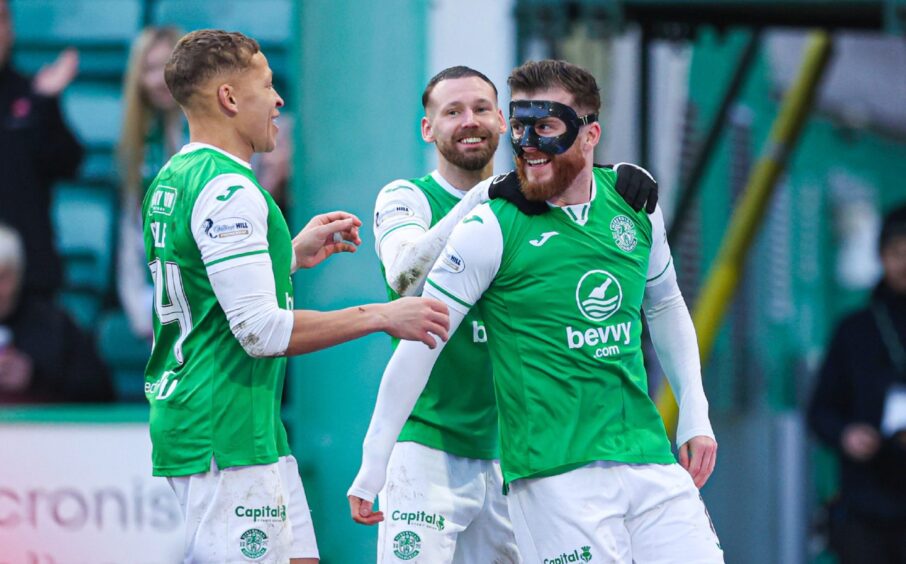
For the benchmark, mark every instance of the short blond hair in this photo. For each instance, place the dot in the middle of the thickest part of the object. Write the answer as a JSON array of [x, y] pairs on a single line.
[[203, 54]]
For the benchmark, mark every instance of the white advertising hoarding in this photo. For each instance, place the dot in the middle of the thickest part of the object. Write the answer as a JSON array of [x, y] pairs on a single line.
[[84, 494]]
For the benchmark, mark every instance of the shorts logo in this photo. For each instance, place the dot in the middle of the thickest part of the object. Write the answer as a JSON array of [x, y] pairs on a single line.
[[407, 545], [253, 543], [623, 230], [598, 295], [266, 513], [582, 554], [420, 518], [231, 229], [164, 200]]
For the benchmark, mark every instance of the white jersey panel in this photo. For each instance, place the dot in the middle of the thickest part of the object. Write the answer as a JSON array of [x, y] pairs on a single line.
[[470, 261], [229, 223], [659, 259], [400, 207]]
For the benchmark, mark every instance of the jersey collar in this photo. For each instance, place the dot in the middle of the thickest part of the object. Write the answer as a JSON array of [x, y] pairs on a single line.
[[578, 213], [190, 147], [442, 182]]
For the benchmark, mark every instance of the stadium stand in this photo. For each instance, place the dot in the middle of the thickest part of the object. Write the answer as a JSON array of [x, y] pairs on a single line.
[[85, 211]]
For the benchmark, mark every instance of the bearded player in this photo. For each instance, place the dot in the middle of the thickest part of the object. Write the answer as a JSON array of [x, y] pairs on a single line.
[[563, 268], [443, 500]]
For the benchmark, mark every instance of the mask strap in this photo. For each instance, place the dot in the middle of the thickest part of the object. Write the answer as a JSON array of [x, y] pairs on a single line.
[[588, 118]]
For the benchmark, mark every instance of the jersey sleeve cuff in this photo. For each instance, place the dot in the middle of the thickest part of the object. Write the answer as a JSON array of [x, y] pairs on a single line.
[[231, 261], [434, 290]]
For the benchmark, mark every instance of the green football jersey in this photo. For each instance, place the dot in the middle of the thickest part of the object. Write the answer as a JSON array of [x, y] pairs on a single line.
[[456, 413], [563, 312], [208, 397]]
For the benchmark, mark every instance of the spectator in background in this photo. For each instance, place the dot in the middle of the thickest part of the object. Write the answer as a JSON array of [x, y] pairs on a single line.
[[153, 130], [859, 410], [36, 148], [44, 356]]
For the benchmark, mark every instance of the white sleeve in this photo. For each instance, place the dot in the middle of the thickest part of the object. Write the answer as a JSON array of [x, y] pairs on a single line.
[[399, 206], [247, 294], [469, 262], [406, 250], [461, 275], [673, 336], [660, 263], [403, 381], [229, 224]]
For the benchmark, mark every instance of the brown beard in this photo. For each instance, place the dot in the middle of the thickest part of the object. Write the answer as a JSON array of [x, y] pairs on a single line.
[[475, 160], [567, 167]]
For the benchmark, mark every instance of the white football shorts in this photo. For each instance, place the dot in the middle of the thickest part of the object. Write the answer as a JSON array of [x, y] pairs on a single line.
[[246, 514], [613, 512], [443, 509]]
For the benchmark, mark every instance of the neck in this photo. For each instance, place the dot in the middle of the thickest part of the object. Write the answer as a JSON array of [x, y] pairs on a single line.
[[460, 178], [579, 191], [226, 139]]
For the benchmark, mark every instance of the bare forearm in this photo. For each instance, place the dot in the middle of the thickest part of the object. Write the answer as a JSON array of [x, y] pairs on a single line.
[[316, 330]]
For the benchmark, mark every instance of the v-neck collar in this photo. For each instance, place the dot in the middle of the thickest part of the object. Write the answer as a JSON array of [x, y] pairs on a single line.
[[578, 213]]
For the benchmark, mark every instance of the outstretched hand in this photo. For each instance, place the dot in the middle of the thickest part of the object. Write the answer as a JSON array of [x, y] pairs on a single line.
[[698, 456], [362, 511], [326, 234]]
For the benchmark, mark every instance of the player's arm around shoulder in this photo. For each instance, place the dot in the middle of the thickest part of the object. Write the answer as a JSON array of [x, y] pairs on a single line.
[[469, 262]]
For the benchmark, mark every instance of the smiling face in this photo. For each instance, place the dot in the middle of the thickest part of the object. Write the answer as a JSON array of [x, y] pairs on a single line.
[[544, 176], [463, 120], [258, 105]]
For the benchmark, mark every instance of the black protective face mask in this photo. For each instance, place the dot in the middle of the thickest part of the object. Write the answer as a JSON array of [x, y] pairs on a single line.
[[527, 117]]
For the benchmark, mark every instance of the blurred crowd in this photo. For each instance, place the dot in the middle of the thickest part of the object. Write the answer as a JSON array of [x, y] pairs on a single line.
[[45, 355]]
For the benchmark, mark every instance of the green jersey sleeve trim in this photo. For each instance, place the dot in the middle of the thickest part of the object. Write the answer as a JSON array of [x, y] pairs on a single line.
[[400, 226], [449, 295], [231, 257], [669, 262]]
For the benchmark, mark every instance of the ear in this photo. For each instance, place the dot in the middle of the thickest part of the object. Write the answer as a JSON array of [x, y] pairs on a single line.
[[503, 122], [226, 97], [593, 135], [427, 133]]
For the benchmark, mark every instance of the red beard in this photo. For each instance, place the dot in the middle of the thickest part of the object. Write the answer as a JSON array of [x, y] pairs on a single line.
[[567, 167]]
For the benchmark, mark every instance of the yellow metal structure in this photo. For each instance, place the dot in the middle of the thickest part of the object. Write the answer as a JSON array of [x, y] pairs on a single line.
[[724, 276]]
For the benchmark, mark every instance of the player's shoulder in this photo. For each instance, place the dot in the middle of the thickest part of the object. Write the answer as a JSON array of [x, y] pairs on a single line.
[[480, 221], [399, 187], [399, 201]]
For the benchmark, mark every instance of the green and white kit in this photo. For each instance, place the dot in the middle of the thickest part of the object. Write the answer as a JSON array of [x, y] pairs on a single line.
[[562, 292], [451, 435], [221, 256], [456, 412], [205, 213]]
